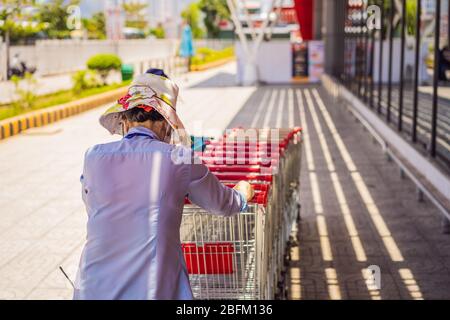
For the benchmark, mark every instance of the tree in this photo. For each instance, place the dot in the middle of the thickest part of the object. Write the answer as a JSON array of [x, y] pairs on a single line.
[[55, 14], [192, 15], [19, 29], [96, 26], [10, 15], [135, 18], [411, 6], [214, 11], [158, 32]]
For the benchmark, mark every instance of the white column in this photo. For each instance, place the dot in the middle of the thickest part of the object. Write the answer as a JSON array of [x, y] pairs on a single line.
[[250, 48]]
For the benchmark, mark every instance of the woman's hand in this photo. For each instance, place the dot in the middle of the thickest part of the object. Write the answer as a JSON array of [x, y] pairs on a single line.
[[246, 189]]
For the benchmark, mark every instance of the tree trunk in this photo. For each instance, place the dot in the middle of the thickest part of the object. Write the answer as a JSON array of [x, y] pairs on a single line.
[[7, 43]]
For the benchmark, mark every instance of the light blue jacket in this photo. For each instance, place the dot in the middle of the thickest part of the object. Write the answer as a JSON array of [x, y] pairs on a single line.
[[134, 195], [187, 43]]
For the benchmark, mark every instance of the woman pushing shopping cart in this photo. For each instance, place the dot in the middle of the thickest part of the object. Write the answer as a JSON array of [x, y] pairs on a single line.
[[134, 193]]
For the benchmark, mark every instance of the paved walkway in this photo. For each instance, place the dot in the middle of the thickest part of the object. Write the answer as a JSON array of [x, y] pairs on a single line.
[[356, 209], [42, 217]]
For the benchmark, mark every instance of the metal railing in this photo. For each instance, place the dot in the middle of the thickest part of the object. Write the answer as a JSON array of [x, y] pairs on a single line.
[[386, 67]]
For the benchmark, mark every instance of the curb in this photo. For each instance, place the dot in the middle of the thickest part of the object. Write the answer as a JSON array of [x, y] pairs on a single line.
[[211, 65], [13, 126]]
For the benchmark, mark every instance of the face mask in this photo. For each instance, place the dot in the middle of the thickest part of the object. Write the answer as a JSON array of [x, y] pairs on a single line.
[[123, 129], [168, 134]]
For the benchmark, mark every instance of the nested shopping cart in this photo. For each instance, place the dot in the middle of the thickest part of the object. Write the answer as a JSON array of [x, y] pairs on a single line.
[[241, 257]]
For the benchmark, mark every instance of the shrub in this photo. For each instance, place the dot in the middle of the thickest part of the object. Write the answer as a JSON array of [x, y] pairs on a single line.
[[85, 79], [158, 32], [26, 97], [104, 63]]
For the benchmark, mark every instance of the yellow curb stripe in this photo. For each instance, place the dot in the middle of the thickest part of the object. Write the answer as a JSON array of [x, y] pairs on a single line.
[[15, 127], [37, 121], [30, 122], [6, 131], [23, 124]]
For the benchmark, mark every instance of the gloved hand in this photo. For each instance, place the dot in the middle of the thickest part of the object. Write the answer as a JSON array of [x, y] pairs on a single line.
[[246, 189]]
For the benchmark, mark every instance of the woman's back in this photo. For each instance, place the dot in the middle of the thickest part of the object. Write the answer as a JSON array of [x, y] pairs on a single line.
[[134, 195]]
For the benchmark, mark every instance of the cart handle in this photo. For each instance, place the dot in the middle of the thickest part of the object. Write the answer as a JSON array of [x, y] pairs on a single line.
[[244, 177]]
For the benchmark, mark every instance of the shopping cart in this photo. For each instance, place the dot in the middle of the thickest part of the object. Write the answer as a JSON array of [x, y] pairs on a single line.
[[242, 257], [222, 254]]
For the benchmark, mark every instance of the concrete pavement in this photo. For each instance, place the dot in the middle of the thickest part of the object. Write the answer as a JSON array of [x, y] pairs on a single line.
[[356, 212], [42, 218]]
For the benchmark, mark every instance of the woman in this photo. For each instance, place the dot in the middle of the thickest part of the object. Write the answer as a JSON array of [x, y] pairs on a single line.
[[134, 194]]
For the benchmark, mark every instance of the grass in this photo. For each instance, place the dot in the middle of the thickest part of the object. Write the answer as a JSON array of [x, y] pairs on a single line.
[[57, 98], [207, 55]]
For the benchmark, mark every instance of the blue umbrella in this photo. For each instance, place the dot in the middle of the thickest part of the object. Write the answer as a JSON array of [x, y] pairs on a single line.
[[187, 43]]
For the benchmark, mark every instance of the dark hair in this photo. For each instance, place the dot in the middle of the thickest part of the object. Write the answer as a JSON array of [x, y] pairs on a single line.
[[140, 115], [158, 72]]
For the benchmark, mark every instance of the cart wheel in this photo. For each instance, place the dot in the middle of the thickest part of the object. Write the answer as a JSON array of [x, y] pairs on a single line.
[[286, 294], [287, 257], [299, 217], [291, 241], [281, 291]]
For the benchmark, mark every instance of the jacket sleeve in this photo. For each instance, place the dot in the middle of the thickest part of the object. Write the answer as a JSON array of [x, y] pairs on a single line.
[[206, 191]]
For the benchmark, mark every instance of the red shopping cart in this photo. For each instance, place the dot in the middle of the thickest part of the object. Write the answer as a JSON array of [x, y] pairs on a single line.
[[240, 257]]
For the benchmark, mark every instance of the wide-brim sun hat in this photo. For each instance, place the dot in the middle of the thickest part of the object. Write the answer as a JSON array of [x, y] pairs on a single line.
[[150, 92]]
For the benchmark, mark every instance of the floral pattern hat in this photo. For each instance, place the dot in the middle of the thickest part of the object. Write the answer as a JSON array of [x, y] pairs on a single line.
[[149, 92]]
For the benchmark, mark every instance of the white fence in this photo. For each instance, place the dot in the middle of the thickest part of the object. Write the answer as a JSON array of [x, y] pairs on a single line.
[[62, 56]]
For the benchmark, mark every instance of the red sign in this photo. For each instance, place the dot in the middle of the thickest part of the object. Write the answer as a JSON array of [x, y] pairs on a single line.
[[305, 14]]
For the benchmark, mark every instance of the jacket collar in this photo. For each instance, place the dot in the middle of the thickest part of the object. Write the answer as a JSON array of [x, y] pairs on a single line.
[[142, 131]]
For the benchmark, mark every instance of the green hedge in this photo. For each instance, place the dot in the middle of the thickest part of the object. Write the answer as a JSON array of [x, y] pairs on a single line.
[[104, 62]]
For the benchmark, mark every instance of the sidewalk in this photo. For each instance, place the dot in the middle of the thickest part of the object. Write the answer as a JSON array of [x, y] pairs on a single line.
[[43, 220], [356, 209], [443, 92]]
